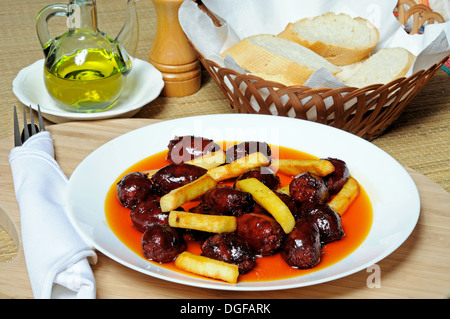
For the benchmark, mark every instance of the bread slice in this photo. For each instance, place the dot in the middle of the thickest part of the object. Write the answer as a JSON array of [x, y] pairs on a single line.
[[269, 54], [339, 38], [384, 66], [284, 79]]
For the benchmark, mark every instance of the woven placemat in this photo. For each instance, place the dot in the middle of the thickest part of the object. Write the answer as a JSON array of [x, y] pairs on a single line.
[[418, 139]]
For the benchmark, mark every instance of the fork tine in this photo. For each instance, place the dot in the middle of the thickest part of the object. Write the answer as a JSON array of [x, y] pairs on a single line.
[[41, 120], [26, 135], [17, 140], [33, 126]]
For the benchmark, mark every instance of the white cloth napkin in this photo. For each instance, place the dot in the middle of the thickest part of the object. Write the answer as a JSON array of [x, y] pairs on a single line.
[[56, 256]]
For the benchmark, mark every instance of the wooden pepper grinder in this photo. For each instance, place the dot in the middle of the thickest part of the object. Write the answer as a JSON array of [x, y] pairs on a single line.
[[172, 54]]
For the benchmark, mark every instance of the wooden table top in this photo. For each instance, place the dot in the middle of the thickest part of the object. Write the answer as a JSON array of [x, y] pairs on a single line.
[[419, 139], [419, 268]]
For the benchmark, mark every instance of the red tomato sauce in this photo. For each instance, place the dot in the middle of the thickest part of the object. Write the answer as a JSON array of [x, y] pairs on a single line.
[[356, 222]]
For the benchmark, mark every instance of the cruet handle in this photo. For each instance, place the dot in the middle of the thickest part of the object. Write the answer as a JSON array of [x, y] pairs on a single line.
[[42, 23]]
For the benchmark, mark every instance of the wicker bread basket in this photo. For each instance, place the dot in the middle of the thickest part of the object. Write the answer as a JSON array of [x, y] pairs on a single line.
[[365, 112]]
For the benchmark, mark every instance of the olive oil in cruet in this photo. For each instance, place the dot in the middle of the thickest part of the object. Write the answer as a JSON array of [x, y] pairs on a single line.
[[88, 81], [85, 70]]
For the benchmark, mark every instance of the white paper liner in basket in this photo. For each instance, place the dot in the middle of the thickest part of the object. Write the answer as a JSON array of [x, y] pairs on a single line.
[[245, 18]]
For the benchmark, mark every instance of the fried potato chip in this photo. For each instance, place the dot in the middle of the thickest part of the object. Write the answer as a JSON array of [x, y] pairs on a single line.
[[203, 222], [345, 197], [208, 267], [209, 160], [284, 190], [238, 167], [186, 193], [265, 197], [294, 167]]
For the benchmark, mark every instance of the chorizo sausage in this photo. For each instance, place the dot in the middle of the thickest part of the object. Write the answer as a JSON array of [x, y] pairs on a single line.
[[175, 175], [328, 222], [308, 188], [225, 200], [338, 178], [245, 148], [264, 174], [228, 247], [147, 214], [302, 247], [162, 243], [133, 188], [185, 148], [262, 233]]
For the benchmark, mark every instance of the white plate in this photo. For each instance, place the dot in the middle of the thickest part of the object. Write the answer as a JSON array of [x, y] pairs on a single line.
[[392, 192], [143, 85]]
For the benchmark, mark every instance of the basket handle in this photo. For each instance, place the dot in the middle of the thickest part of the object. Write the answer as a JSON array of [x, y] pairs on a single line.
[[214, 19], [421, 14]]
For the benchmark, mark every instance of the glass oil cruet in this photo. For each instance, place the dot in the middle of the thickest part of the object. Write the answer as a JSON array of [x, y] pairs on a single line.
[[85, 70]]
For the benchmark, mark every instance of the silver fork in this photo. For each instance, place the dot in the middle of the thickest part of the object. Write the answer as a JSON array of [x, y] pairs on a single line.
[[29, 129]]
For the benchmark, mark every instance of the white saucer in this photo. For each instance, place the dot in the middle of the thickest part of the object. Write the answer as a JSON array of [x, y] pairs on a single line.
[[143, 85]]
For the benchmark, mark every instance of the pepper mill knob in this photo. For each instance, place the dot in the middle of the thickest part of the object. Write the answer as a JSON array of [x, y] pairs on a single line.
[[172, 54]]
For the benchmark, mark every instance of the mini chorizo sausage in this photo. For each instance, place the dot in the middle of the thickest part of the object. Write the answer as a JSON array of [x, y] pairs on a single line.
[[147, 214], [133, 188], [262, 233], [302, 247], [162, 243], [185, 148], [264, 174], [339, 177], [228, 247], [308, 188], [245, 148], [328, 222], [175, 175], [226, 200]]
